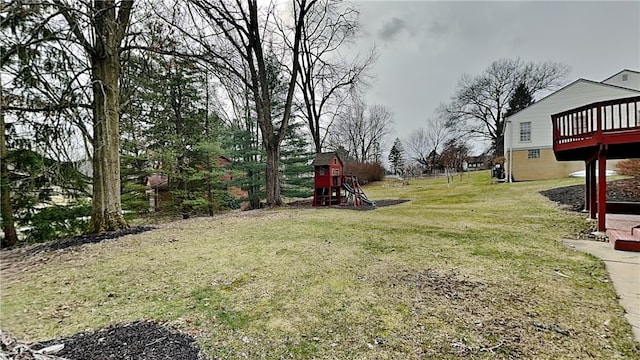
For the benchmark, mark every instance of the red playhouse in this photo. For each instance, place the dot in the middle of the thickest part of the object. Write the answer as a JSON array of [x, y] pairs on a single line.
[[331, 186], [328, 179]]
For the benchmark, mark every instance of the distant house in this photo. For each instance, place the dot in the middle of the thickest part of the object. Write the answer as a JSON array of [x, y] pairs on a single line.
[[157, 190], [480, 162], [529, 136]]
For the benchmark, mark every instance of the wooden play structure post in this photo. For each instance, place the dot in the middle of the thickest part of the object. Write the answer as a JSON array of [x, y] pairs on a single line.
[[328, 168]]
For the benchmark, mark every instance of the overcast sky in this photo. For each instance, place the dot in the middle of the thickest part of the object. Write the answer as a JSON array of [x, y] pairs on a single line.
[[425, 46]]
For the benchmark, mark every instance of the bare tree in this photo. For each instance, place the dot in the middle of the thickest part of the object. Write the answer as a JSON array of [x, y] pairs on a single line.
[[325, 78], [361, 130], [479, 103], [424, 145], [454, 153]]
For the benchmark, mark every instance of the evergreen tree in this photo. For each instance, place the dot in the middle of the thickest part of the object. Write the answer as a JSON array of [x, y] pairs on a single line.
[[520, 99], [247, 166], [184, 137], [396, 156], [297, 175], [38, 108], [167, 129], [35, 179], [137, 96]]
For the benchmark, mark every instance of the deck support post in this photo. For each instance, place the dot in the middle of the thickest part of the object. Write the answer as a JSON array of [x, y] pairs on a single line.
[[602, 188], [591, 200]]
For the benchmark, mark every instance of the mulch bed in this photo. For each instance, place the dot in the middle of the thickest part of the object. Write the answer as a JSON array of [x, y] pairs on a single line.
[[79, 240], [573, 196], [141, 340]]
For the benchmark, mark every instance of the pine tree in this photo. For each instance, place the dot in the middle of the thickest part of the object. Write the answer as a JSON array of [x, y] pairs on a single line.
[[136, 94], [185, 138], [520, 99], [396, 156], [297, 175], [167, 129], [247, 166]]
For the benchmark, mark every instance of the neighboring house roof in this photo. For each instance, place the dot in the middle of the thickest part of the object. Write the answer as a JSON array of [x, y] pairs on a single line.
[[477, 159], [620, 72], [157, 181], [325, 158]]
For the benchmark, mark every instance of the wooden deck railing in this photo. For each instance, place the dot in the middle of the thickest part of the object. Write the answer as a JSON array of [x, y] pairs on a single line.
[[588, 125]]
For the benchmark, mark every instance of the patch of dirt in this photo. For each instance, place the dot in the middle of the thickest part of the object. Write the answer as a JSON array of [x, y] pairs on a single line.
[[141, 340], [471, 305], [572, 197], [307, 204]]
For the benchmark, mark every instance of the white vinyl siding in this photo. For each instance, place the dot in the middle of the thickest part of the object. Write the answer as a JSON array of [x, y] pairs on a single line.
[[581, 92], [627, 79]]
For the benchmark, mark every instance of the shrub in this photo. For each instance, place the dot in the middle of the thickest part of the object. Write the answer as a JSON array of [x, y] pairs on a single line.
[[56, 222], [630, 167], [366, 172]]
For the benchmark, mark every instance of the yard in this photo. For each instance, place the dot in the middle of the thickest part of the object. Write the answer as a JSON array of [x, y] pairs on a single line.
[[476, 269]]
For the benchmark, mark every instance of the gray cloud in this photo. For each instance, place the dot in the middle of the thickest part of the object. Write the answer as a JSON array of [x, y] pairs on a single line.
[[392, 28], [428, 45], [438, 29]]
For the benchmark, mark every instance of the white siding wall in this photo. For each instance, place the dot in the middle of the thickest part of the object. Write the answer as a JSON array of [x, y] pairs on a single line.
[[579, 93], [632, 80]]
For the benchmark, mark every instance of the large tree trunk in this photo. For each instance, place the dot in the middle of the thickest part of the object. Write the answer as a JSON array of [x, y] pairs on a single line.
[[499, 145], [272, 174], [106, 212], [8, 226]]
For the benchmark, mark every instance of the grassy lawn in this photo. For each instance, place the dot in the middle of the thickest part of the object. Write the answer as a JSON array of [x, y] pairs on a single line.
[[476, 269]]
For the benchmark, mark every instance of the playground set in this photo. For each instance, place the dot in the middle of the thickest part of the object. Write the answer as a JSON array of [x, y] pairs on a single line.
[[332, 186]]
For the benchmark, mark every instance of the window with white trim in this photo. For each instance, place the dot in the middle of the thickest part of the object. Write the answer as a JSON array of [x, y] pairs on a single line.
[[525, 131], [533, 154]]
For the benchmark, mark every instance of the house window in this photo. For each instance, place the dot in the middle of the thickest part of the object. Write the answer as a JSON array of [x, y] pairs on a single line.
[[625, 77], [534, 154], [335, 161], [525, 131]]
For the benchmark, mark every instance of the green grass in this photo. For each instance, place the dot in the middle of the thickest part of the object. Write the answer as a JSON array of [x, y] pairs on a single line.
[[465, 270]]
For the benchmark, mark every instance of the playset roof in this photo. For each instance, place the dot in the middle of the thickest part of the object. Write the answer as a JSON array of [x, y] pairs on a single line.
[[325, 158]]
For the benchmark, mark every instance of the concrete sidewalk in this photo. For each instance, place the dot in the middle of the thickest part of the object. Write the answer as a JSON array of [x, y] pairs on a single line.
[[624, 270]]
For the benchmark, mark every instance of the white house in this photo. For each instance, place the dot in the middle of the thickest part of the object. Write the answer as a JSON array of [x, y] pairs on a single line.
[[529, 135]]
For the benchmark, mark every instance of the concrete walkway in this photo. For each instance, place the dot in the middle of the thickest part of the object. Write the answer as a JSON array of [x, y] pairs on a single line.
[[624, 270]]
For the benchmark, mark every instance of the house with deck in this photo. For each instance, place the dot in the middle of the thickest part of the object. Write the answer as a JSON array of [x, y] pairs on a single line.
[[594, 133], [529, 133]]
